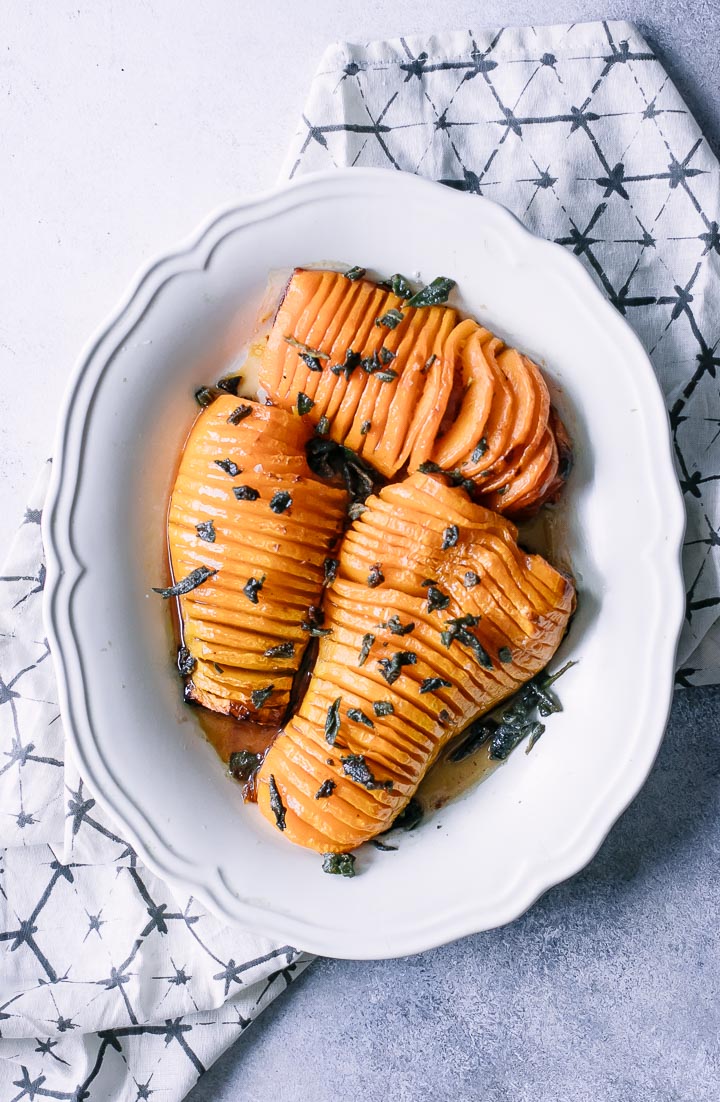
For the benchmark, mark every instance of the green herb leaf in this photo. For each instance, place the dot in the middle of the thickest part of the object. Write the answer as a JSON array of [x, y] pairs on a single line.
[[252, 587], [428, 581], [243, 765], [185, 662], [376, 576], [479, 451], [323, 426], [400, 286], [352, 360], [386, 376], [326, 789], [186, 585], [206, 531], [390, 320], [429, 468], [304, 404], [218, 667], [436, 599], [428, 363], [474, 736], [330, 569], [228, 466], [356, 768], [246, 493], [365, 428], [206, 395], [259, 696], [450, 537], [430, 684], [280, 501], [367, 642], [396, 628], [505, 654], [382, 708], [356, 510], [315, 352], [410, 817], [359, 717], [314, 631], [239, 415], [435, 294], [230, 384], [381, 846], [355, 273], [276, 804], [386, 356], [501, 490], [332, 721], [471, 579], [391, 668], [339, 864], [311, 362], [282, 650]]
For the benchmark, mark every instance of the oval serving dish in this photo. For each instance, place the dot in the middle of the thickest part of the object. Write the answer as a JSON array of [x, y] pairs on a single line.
[[483, 859]]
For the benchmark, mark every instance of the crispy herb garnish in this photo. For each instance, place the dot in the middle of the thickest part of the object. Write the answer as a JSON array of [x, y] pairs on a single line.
[[332, 721], [390, 320], [501, 490], [386, 356], [409, 817], [218, 667], [428, 581], [314, 631], [304, 403], [359, 717], [206, 395], [356, 768], [246, 493], [387, 376], [252, 587], [239, 415], [326, 789], [381, 846], [428, 467], [391, 668], [328, 460], [323, 426], [316, 615], [276, 804], [330, 569], [479, 451], [458, 628], [280, 501], [475, 736], [382, 708], [443, 717], [206, 531], [311, 362], [428, 363], [435, 294], [351, 361], [505, 654], [314, 352], [230, 384], [355, 273], [365, 428], [450, 537], [339, 864], [228, 466], [185, 662], [430, 684], [282, 650], [471, 579], [436, 599], [259, 696], [356, 510], [243, 765], [376, 576], [399, 286], [393, 625], [186, 585], [367, 642]]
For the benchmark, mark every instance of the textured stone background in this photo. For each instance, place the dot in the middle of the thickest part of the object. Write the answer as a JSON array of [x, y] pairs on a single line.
[[114, 148]]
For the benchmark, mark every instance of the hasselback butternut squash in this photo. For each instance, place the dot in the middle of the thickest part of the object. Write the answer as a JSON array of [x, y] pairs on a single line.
[[247, 512], [406, 386], [436, 615]]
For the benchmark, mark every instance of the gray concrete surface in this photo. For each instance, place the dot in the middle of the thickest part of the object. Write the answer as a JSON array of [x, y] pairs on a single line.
[[608, 990]]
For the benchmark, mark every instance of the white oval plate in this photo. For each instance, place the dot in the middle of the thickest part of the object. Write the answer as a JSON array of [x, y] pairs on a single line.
[[484, 859]]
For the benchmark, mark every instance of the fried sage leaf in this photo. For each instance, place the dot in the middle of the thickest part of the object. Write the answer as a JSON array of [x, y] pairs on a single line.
[[239, 414], [332, 721], [276, 804], [339, 864], [260, 696], [185, 662], [391, 668], [252, 587], [435, 294], [206, 531], [357, 769], [326, 789], [243, 765], [186, 585]]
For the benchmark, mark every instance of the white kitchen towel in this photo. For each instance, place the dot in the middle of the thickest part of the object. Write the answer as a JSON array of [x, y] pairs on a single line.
[[112, 989]]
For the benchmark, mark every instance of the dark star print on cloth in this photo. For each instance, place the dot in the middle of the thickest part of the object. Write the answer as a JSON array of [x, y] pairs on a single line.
[[111, 988]]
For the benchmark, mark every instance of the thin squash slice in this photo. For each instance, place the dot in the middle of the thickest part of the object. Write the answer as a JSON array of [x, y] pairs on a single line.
[[247, 512], [407, 387], [436, 615]]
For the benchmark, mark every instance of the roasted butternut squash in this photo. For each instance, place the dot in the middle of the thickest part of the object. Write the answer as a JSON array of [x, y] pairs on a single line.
[[407, 386], [436, 615], [249, 513]]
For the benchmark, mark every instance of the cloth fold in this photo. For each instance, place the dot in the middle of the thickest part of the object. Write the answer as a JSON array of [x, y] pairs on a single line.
[[113, 989]]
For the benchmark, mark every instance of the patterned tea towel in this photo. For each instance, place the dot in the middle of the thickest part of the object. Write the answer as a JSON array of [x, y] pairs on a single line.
[[112, 988]]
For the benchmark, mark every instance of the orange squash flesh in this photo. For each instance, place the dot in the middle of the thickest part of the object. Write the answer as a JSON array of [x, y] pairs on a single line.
[[520, 603], [227, 634]]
